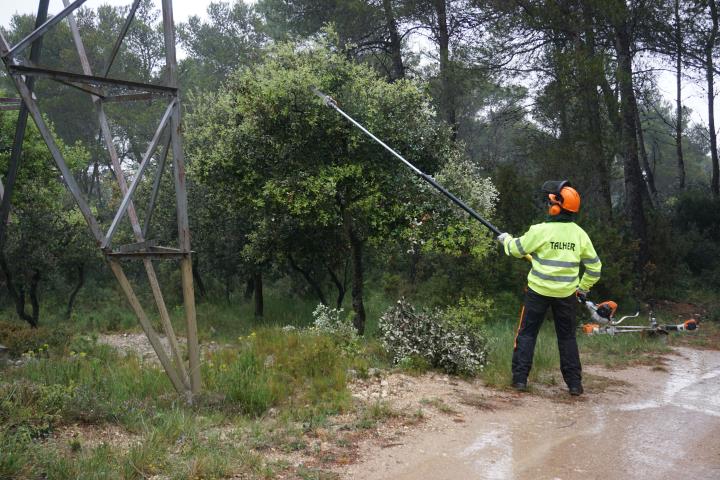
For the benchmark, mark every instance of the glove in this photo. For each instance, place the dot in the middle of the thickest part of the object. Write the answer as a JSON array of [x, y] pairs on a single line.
[[581, 295], [501, 238]]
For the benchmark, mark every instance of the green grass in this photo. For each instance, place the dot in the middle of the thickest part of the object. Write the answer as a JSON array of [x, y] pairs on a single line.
[[302, 376], [622, 350], [613, 352], [501, 337]]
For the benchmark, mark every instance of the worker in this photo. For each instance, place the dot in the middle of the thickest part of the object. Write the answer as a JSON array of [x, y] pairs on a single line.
[[557, 248]]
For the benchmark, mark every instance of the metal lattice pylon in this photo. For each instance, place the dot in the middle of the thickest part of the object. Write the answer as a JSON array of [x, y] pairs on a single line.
[[103, 89]]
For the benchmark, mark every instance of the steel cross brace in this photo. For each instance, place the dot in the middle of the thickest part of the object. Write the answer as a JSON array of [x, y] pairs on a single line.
[[186, 383]]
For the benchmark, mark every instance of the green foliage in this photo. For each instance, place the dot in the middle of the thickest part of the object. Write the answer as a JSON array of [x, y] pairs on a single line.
[[501, 336], [275, 367], [311, 187], [445, 228], [622, 350], [243, 380], [32, 410], [618, 254], [19, 338], [332, 322], [697, 220], [229, 38]]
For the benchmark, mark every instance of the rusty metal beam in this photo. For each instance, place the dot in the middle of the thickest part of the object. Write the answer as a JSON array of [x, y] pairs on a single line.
[[16, 153], [181, 201], [137, 246], [149, 330], [138, 176], [40, 31], [117, 168], [67, 175], [121, 37], [82, 88], [155, 189], [128, 98], [89, 79], [184, 383]]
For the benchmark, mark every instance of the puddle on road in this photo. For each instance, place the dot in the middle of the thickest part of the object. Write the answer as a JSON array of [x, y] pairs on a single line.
[[655, 436], [690, 385], [492, 454]]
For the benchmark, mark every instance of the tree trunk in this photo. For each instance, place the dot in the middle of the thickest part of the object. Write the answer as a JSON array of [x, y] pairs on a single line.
[[592, 70], [308, 278], [679, 119], [647, 171], [395, 41], [356, 256], [447, 95], [34, 302], [17, 294], [202, 292], [76, 290], [249, 288], [257, 282], [228, 287], [709, 48], [340, 285], [634, 184], [357, 284]]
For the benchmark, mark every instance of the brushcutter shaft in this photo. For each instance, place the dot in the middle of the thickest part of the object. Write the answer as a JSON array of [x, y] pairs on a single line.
[[331, 103]]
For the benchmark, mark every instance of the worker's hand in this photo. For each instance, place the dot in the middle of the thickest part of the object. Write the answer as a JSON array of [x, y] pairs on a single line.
[[581, 295], [501, 238]]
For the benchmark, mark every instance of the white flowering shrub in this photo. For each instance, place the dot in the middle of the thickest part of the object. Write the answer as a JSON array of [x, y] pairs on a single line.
[[435, 336], [332, 322]]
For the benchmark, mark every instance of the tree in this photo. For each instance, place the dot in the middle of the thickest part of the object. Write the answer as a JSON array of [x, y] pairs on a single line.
[[378, 38], [43, 229], [282, 152], [700, 49], [230, 38]]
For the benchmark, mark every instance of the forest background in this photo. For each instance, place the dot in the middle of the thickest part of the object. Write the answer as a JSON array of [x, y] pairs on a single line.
[[278, 210], [306, 233]]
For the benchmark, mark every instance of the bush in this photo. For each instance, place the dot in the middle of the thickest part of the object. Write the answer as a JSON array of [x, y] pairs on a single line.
[[20, 338], [31, 409], [445, 339], [331, 322]]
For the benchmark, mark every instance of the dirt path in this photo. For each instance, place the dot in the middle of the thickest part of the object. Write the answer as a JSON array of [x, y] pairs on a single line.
[[659, 423]]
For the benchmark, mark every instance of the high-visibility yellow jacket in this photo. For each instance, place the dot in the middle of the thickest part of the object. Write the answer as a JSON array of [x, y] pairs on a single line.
[[557, 250]]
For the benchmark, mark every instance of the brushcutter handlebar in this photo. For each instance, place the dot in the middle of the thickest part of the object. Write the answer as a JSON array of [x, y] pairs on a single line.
[[602, 321], [331, 103]]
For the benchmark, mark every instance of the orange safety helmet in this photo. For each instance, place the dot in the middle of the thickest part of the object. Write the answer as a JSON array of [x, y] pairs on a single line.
[[561, 196]]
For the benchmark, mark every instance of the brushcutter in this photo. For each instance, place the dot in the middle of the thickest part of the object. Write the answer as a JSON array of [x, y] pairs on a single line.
[[603, 322], [331, 103]]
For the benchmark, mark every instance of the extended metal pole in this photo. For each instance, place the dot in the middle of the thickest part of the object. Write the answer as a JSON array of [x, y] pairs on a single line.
[[331, 103]]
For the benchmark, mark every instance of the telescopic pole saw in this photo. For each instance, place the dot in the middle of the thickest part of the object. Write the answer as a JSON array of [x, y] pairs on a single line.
[[331, 103]]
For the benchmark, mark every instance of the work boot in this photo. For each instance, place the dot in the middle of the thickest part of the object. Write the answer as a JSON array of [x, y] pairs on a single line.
[[520, 386], [575, 391]]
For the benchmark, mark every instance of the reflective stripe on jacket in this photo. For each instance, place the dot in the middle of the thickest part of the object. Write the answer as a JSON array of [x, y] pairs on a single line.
[[557, 250]]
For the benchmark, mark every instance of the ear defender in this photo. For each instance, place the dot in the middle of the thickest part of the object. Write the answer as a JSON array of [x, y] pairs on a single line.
[[555, 204]]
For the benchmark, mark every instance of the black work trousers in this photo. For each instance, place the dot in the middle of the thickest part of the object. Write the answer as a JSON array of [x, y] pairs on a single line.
[[531, 318]]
